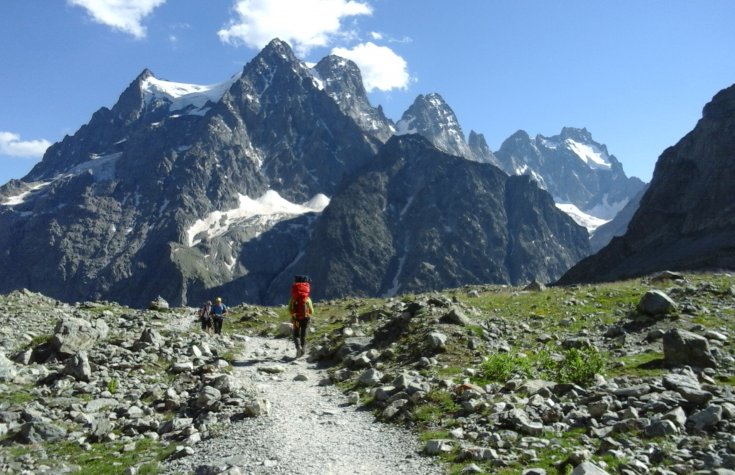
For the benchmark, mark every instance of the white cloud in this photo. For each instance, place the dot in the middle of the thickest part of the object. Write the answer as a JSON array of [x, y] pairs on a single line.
[[10, 144], [380, 66], [304, 24], [123, 15]]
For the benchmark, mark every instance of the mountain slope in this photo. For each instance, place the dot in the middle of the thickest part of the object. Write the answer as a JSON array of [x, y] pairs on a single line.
[[418, 218], [686, 219]]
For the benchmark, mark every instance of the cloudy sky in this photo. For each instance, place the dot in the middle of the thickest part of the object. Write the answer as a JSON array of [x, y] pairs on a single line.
[[635, 73]]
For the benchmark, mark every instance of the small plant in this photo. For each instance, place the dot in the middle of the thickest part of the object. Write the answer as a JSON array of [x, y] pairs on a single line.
[[580, 366], [502, 366], [113, 385]]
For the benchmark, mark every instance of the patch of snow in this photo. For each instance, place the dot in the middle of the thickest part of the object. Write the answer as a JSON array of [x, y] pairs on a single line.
[[102, 167], [580, 217], [589, 154], [20, 198], [271, 206], [183, 148], [606, 210], [404, 127], [182, 95]]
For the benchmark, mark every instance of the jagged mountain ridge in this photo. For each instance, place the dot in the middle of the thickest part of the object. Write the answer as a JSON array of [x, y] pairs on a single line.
[[574, 168], [172, 191], [686, 218]]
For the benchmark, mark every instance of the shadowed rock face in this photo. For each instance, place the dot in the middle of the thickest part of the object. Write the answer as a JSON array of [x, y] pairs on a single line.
[[686, 219], [419, 219]]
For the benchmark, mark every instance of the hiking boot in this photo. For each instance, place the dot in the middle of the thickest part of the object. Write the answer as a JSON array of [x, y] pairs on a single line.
[[298, 350]]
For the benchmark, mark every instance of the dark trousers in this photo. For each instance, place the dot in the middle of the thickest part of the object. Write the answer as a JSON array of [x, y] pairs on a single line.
[[217, 321], [299, 331]]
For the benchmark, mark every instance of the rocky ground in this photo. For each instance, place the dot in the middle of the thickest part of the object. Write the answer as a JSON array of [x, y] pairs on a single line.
[[633, 377]]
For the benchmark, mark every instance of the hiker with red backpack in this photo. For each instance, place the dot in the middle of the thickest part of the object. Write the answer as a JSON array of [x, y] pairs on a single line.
[[301, 309]]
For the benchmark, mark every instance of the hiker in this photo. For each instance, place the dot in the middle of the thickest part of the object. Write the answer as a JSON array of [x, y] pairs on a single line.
[[301, 309], [218, 312], [205, 318]]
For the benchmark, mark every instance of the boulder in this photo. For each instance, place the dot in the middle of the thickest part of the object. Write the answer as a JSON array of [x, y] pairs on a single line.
[[7, 369], [158, 304], [683, 348], [437, 341], [656, 302], [72, 335], [456, 317], [38, 432], [78, 367]]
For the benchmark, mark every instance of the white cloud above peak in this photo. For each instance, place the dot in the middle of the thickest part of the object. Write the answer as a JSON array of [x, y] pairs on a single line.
[[381, 67], [123, 15], [12, 145], [304, 24]]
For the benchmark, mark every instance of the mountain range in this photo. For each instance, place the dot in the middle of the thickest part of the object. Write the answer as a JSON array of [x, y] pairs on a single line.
[[185, 191]]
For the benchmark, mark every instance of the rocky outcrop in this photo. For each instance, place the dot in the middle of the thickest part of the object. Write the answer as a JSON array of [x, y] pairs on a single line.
[[686, 219]]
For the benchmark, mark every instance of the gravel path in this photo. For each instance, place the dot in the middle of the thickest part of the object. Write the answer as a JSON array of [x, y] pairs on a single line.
[[310, 429]]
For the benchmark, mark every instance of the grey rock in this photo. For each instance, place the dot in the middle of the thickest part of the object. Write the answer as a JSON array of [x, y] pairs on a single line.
[[78, 367], [706, 419], [518, 419], [257, 408], [684, 348], [100, 427], [72, 335], [159, 303], [656, 302], [370, 377], [39, 432], [207, 398], [436, 341], [456, 317], [438, 446], [661, 428], [588, 468], [7, 368]]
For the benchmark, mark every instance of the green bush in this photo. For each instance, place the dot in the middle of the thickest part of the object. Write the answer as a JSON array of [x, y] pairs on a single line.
[[580, 366], [502, 366]]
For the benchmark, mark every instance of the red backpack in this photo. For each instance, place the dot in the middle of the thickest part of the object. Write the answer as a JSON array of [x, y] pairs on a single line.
[[299, 295]]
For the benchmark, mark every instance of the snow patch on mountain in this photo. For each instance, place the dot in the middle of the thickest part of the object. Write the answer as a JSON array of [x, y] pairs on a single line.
[[591, 155], [580, 217], [607, 210], [21, 197], [270, 207], [183, 95]]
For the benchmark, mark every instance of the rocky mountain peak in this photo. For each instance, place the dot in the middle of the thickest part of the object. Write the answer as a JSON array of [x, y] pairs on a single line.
[[431, 117], [582, 176], [480, 149], [342, 80]]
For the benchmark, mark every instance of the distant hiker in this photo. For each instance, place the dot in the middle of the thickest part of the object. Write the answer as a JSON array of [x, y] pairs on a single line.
[[205, 318], [301, 309], [218, 312]]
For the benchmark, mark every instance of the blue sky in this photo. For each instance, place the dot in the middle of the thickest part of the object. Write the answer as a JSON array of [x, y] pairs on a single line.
[[635, 73]]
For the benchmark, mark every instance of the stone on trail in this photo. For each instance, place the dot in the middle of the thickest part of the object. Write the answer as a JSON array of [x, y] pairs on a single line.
[[159, 303], [257, 407], [456, 317]]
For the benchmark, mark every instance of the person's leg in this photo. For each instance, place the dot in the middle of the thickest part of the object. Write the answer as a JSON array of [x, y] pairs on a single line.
[[295, 334], [302, 333]]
